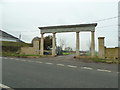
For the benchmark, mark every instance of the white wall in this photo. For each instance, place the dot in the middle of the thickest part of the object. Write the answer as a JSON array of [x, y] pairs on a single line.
[[119, 24], [3, 39]]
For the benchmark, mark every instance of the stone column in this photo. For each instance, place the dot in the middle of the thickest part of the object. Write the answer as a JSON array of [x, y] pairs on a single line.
[[92, 44], [101, 53], [36, 46], [42, 44], [77, 44], [54, 45]]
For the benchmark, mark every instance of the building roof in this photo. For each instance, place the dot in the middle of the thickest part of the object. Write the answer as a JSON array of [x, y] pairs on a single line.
[[68, 26], [5, 34]]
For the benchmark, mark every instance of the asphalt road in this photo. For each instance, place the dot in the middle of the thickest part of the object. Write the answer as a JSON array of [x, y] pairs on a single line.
[[57, 72]]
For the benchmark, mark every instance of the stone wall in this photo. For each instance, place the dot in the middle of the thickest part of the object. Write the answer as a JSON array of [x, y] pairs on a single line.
[[36, 46], [101, 47], [28, 51], [104, 52], [111, 53], [119, 53], [35, 50]]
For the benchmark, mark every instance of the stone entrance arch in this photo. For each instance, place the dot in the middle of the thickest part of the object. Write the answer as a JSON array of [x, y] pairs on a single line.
[[68, 28]]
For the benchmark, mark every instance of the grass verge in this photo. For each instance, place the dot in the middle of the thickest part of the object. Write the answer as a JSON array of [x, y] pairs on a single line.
[[98, 60], [13, 54], [67, 53]]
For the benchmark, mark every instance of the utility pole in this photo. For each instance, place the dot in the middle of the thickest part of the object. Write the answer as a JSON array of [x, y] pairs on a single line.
[[19, 36]]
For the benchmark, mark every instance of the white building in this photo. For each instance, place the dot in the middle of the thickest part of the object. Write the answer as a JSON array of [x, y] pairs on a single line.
[[8, 37]]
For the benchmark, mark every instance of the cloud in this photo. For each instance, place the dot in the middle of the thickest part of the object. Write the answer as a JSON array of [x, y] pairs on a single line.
[[25, 18], [60, 1]]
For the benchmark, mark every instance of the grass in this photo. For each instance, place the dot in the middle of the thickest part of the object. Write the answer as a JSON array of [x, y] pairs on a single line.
[[67, 53], [98, 60], [105, 60], [18, 44], [14, 54], [10, 48], [88, 54]]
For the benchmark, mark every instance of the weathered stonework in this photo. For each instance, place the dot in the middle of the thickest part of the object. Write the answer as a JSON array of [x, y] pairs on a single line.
[[35, 50], [101, 53], [28, 51], [70, 28], [107, 52], [111, 53]]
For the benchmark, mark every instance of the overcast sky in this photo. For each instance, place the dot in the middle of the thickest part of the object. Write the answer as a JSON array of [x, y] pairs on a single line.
[[25, 16]]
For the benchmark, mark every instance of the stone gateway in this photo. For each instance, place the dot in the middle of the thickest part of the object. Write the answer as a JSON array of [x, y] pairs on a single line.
[[69, 28]]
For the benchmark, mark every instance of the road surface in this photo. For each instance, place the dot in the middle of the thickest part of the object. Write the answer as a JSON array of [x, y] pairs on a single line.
[[57, 72]]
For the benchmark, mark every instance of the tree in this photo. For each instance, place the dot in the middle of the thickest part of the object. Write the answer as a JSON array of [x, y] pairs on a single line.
[[68, 49], [62, 43]]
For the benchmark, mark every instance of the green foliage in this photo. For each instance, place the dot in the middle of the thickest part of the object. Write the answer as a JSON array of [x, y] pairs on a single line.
[[88, 54], [67, 53], [109, 61], [18, 44], [48, 42], [12, 47], [13, 54]]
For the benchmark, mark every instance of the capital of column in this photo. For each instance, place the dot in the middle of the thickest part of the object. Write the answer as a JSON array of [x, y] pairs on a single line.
[[54, 33], [101, 37], [42, 33], [77, 32], [93, 31]]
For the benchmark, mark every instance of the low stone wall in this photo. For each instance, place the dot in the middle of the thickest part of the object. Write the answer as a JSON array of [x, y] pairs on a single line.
[[111, 53], [29, 51], [119, 53], [104, 52]]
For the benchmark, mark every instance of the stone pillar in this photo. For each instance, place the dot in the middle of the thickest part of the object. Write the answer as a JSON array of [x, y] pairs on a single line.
[[36, 46], [101, 53], [92, 44], [54, 45], [77, 44], [42, 44]]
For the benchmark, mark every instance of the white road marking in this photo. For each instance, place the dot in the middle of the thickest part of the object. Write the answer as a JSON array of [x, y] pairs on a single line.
[[48, 63], [103, 70], [3, 86], [30, 61], [16, 59], [23, 60], [60, 64], [38, 62], [72, 66], [87, 68], [60, 56], [11, 58], [5, 58]]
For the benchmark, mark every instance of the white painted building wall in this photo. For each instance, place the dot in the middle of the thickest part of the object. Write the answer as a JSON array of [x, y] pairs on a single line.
[[119, 24]]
